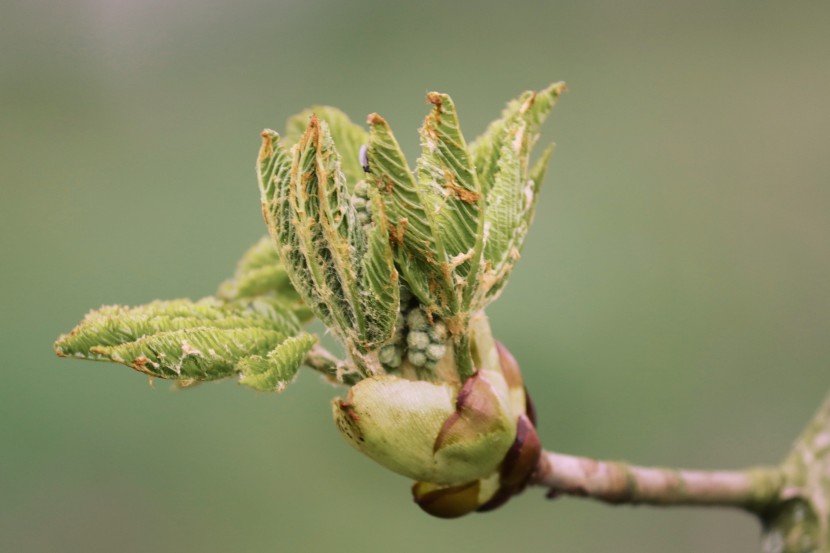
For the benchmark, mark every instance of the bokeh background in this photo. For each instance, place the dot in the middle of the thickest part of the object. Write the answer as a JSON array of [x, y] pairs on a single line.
[[672, 306]]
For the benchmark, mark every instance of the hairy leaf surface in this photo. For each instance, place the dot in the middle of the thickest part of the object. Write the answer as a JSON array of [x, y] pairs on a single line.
[[181, 339]]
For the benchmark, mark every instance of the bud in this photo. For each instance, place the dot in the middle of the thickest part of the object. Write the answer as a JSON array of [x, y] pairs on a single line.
[[429, 431]]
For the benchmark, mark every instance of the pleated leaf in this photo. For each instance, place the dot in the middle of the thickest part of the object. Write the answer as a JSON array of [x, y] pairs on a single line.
[[274, 371], [500, 274], [380, 291], [347, 136], [409, 210], [446, 170], [181, 339], [537, 175], [502, 155], [274, 176], [260, 273], [530, 107], [435, 215], [344, 266], [503, 216]]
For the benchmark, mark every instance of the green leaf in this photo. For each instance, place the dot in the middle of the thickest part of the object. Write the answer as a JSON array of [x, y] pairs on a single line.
[[503, 216], [530, 107], [446, 170], [274, 371], [530, 195], [342, 265], [273, 167], [419, 250], [274, 176], [537, 175], [347, 136], [181, 339], [435, 218], [501, 155], [260, 273]]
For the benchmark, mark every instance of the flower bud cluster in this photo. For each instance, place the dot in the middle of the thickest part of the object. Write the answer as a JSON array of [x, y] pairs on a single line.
[[360, 201], [419, 340]]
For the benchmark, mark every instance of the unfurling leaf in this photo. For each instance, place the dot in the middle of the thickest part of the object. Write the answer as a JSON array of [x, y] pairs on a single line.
[[337, 255], [347, 136], [273, 372], [410, 215], [531, 108], [181, 339], [260, 273], [502, 158]]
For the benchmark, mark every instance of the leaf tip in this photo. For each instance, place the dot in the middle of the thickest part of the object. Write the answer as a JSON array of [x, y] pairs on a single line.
[[269, 138], [556, 89], [436, 99], [375, 120]]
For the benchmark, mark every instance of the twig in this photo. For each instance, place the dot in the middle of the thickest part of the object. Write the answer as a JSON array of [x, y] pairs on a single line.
[[792, 502], [617, 482]]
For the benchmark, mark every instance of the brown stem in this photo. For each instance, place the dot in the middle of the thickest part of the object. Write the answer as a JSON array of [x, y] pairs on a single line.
[[617, 482]]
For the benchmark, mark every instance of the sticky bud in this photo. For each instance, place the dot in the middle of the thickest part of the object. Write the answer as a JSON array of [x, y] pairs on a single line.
[[427, 431], [518, 465], [447, 502]]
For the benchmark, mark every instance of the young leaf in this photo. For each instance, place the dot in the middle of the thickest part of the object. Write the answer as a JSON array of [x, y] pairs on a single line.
[[501, 155], [274, 176], [532, 108], [347, 136], [504, 212], [434, 217], [260, 273], [410, 221], [445, 168], [181, 339], [273, 372], [342, 264], [530, 194]]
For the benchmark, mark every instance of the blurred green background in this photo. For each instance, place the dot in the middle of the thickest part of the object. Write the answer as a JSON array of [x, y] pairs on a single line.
[[672, 306]]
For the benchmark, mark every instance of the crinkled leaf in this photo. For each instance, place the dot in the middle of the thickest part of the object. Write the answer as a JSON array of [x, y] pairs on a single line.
[[505, 209], [348, 137], [340, 265], [181, 339], [537, 175], [380, 292], [191, 354], [260, 273], [446, 170], [273, 167], [274, 371], [527, 200], [410, 218], [274, 176], [530, 107], [501, 155], [434, 216]]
